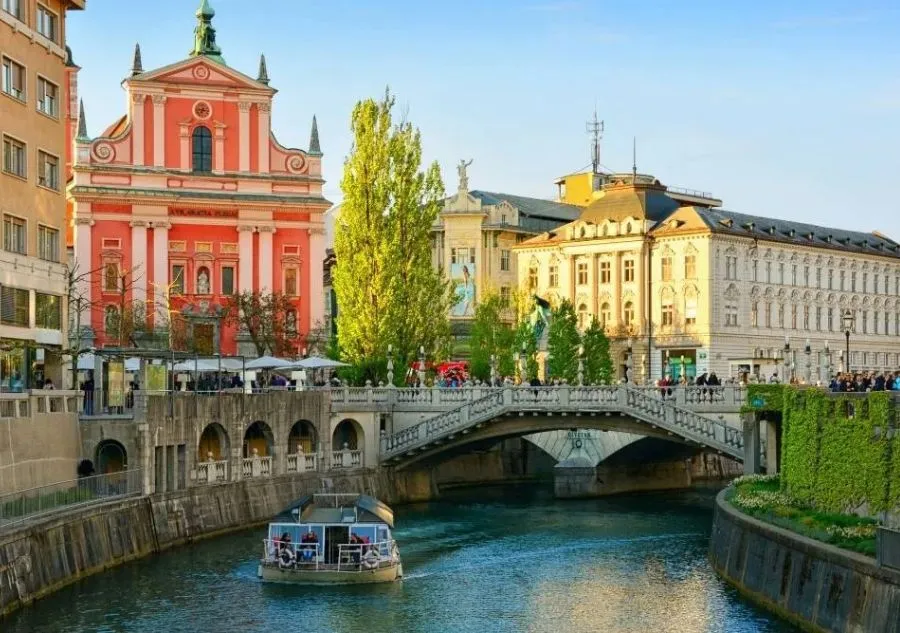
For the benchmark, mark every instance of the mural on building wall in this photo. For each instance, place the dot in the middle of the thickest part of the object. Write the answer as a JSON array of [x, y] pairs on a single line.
[[463, 276]]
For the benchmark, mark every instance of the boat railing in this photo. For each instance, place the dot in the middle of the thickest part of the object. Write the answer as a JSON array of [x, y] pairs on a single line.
[[301, 555], [351, 556], [365, 556]]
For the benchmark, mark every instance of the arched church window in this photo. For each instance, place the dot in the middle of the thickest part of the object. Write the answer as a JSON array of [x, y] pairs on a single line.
[[202, 146]]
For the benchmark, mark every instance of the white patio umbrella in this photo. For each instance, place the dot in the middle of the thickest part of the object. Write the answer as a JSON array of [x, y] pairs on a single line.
[[201, 364], [316, 362], [268, 362]]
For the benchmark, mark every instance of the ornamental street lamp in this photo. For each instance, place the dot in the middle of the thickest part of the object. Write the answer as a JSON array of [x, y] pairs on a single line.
[[523, 359], [493, 370], [628, 363], [848, 320], [422, 366]]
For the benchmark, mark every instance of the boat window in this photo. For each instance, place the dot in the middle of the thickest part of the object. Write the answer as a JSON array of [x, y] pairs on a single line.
[[364, 531]]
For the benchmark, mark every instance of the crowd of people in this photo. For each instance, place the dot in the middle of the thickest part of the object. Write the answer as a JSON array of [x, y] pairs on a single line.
[[865, 381]]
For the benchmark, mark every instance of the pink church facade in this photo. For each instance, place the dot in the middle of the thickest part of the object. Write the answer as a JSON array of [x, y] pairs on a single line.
[[190, 198]]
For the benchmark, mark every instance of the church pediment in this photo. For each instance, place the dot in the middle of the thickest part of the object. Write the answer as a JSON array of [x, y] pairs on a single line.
[[202, 72]]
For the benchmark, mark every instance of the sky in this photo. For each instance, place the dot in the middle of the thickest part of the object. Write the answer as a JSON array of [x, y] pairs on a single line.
[[780, 109]]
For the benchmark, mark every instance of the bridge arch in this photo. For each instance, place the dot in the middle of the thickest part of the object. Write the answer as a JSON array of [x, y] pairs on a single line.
[[259, 436], [303, 436], [214, 442], [348, 432], [110, 456]]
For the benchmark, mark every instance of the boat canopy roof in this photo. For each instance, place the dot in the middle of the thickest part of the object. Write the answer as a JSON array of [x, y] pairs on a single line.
[[337, 509]]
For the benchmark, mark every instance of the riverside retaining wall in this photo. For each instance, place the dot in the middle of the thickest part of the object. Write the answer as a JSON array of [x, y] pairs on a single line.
[[817, 586]]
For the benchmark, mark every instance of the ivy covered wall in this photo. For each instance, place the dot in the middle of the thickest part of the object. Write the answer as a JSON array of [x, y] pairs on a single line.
[[840, 452]]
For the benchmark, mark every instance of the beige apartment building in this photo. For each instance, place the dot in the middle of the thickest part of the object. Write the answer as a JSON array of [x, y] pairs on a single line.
[[35, 68], [684, 287]]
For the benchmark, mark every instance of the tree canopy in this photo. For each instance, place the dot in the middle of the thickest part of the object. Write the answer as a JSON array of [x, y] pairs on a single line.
[[491, 336], [563, 340], [598, 364], [387, 289]]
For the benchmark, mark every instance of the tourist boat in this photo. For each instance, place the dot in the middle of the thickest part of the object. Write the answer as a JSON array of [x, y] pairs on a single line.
[[332, 539]]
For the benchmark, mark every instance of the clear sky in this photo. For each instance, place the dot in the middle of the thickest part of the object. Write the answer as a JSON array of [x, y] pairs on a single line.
[[782, 109]]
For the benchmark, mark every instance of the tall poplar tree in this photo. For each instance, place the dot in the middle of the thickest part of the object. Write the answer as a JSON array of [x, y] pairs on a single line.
[[598, 365], [562, 343], [387, 289]]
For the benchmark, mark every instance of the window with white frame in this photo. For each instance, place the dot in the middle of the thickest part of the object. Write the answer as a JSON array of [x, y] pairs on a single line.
[[794, 317], [768, 272], [806, 317], [15, 234], [853, 281], [806, 276], [532, 277], [843, 279], [14, 157], [875, 315], [690, 310], [13, 78], [754, 314], [768, 315], [628, 313], [731, 315], [582, 271], [818, 318], [553, 277], [666, 264], [668, 312], [830, 319], [886, 323], [794, 274], [628, 270], [48, 243], [582, 316], [755, 269], [504, 260], [505, 296], [781, 315], [865, 282], [13, 7], [48, 171], [781, 273], [47, 97], [462, 255], [865, 321], [730, 267], [291, 282], [605, 275], [605, 315], [46, 23]]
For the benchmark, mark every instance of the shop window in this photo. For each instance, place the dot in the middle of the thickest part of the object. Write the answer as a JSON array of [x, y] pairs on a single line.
[[47, 311], [15, 306]]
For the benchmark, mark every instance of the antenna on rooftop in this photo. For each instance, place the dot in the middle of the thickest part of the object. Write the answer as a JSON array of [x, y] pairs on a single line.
[[595, 129], [634, 157]]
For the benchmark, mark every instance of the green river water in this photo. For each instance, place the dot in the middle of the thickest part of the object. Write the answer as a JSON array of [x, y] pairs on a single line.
[[508, 559]]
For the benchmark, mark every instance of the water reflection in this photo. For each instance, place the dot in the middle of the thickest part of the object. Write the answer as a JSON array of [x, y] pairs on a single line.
[[512, 561]]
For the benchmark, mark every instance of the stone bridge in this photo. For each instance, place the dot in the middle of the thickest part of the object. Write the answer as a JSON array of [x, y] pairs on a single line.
[[497, 413], [404, 408]]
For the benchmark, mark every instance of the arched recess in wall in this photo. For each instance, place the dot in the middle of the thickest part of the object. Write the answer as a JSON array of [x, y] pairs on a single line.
[[348, 434], [214, 443], [303, 436], [259, 436], [110, 457]]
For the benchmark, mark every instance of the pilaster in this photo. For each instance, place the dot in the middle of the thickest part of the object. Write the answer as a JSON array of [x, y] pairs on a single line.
[[245, 254], [316, 299], [159, 130], [265, 258], [139, 260], [244, 136], [264, 110], [137, 128], [161, 271]]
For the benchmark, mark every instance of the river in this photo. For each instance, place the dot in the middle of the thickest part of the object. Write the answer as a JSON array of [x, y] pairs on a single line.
[[489, 560]]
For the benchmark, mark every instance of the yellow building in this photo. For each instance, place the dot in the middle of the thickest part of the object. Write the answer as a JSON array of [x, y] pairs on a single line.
[[472, 241], [683, 287], [33, 89]]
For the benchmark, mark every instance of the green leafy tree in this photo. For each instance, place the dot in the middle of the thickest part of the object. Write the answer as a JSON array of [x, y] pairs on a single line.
[[598, 364], [563, 340], [491, 336], [526, 344], [386, 286]]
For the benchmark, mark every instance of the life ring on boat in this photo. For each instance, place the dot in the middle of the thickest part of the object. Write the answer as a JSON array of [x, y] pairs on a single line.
[[285, 558], [370, 560]]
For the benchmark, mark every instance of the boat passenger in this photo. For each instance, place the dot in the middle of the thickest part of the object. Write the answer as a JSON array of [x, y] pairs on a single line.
[[308, 549], [286, 551]]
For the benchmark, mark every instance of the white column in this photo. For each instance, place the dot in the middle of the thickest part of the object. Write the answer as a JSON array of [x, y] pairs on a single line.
[[137, 128], [160, 271], [159, 130], [266, 258], [139, 272], [184, 148], [83, 261], [263, 110], [243, 136], [316, 299], [245, 261]]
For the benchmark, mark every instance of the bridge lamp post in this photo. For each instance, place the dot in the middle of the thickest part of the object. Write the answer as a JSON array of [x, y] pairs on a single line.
[[493, 370], [848, 320], [629, 363], [827, 361], [523, 359], [581, 365]]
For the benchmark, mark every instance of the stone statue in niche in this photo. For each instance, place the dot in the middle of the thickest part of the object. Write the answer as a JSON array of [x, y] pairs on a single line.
[[203, 282]]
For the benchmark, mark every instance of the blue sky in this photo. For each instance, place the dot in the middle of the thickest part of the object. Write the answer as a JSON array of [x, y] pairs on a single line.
[[782, 109]]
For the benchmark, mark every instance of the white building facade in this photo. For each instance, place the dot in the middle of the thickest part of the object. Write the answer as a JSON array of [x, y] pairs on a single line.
[[683, 288]]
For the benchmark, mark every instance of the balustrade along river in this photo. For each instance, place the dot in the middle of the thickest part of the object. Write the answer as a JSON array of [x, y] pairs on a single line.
[[482, 560]]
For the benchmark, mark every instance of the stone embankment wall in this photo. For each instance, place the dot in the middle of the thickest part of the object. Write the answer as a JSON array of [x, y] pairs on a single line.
[[38, 450], [817, 586], [37, 559]]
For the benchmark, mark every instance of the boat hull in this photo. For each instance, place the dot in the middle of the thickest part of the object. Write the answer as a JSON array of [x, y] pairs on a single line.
[[273, 573]]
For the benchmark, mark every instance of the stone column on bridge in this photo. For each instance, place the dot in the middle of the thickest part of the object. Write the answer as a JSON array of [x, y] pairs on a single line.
[[751, 444]]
